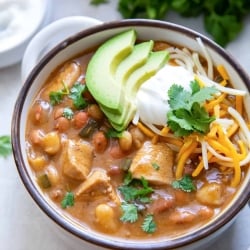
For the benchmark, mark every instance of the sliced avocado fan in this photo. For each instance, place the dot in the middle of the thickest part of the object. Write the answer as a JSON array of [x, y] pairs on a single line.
[[117, 70]]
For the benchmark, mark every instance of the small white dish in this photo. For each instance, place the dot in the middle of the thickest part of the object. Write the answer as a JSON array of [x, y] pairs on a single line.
[[19, 22]]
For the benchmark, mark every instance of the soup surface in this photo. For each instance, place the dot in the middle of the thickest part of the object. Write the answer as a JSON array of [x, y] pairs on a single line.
[[175, 165]]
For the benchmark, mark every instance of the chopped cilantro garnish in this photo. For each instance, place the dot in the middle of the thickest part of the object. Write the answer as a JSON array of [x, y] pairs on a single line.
[[68, 113], [149, 225], [155, 166], [57, 96], [5, 145], [130, 212], [185, 184], [187, 113], [136, 190], [76, 94], [68, 200]]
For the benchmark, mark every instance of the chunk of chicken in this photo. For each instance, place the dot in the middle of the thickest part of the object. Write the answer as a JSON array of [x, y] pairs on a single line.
[[68, 76], [77, 158], [97, 185], [210, 194], [154, 162]]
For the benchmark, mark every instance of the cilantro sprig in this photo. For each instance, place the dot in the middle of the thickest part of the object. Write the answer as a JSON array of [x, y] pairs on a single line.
[[130, 212], [187, 113], [5, 146], [68, 200], [136, 193], [68, 113], [76, 94], [186, 184], [149, 225], [56, 97]]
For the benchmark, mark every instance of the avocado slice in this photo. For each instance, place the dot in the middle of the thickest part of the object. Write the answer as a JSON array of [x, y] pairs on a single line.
[[101, 70], [134, 60], [117, 70], [156, 60]]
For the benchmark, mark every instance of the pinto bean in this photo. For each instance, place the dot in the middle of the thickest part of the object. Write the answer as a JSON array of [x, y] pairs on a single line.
[[116, 152], [100, 141], [182, 217], [56, 194], [205, 212], [161, 205], [95, 112], [80, 119], [36, 136], [40, 112], [181, 197], [62, 124], [114, 171]]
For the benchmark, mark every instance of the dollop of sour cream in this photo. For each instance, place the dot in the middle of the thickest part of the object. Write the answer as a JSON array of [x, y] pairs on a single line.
[[18, 19], [152, 97]]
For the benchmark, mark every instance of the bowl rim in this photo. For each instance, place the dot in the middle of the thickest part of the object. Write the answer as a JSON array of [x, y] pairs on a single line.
[[56, 217]]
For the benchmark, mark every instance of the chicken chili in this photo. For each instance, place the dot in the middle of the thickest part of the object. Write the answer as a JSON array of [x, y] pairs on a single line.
[[172, 164]]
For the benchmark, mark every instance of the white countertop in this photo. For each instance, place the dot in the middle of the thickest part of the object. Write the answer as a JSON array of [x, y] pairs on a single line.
[[22, 225]]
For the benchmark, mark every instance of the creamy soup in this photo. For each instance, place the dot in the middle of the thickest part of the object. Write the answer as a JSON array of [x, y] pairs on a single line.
[[174, 166]]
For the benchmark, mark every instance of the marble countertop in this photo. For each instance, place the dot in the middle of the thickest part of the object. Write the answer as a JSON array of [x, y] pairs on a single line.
[[22, 225]]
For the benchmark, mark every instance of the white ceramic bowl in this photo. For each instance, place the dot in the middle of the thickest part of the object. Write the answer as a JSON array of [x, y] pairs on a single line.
[[89, 38], [20, 20]]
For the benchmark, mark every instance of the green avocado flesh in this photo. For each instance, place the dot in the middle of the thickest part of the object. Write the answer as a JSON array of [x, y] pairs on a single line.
[[117, 70], [101, 69]]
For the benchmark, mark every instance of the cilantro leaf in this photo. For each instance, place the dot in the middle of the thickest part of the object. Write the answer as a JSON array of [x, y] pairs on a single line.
[[5, 145], [68, 113], [76, 94], [130, 212], [56, 97], [185, 184], [187, 114], [68, 200], [149, 225], [136, 190]]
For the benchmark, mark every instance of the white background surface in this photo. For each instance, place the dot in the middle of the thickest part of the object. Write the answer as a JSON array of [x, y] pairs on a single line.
[[22, 225]]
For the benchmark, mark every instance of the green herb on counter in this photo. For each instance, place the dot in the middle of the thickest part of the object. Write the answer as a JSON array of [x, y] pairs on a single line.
[[222, 19], [97, 2], [5, 145]]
